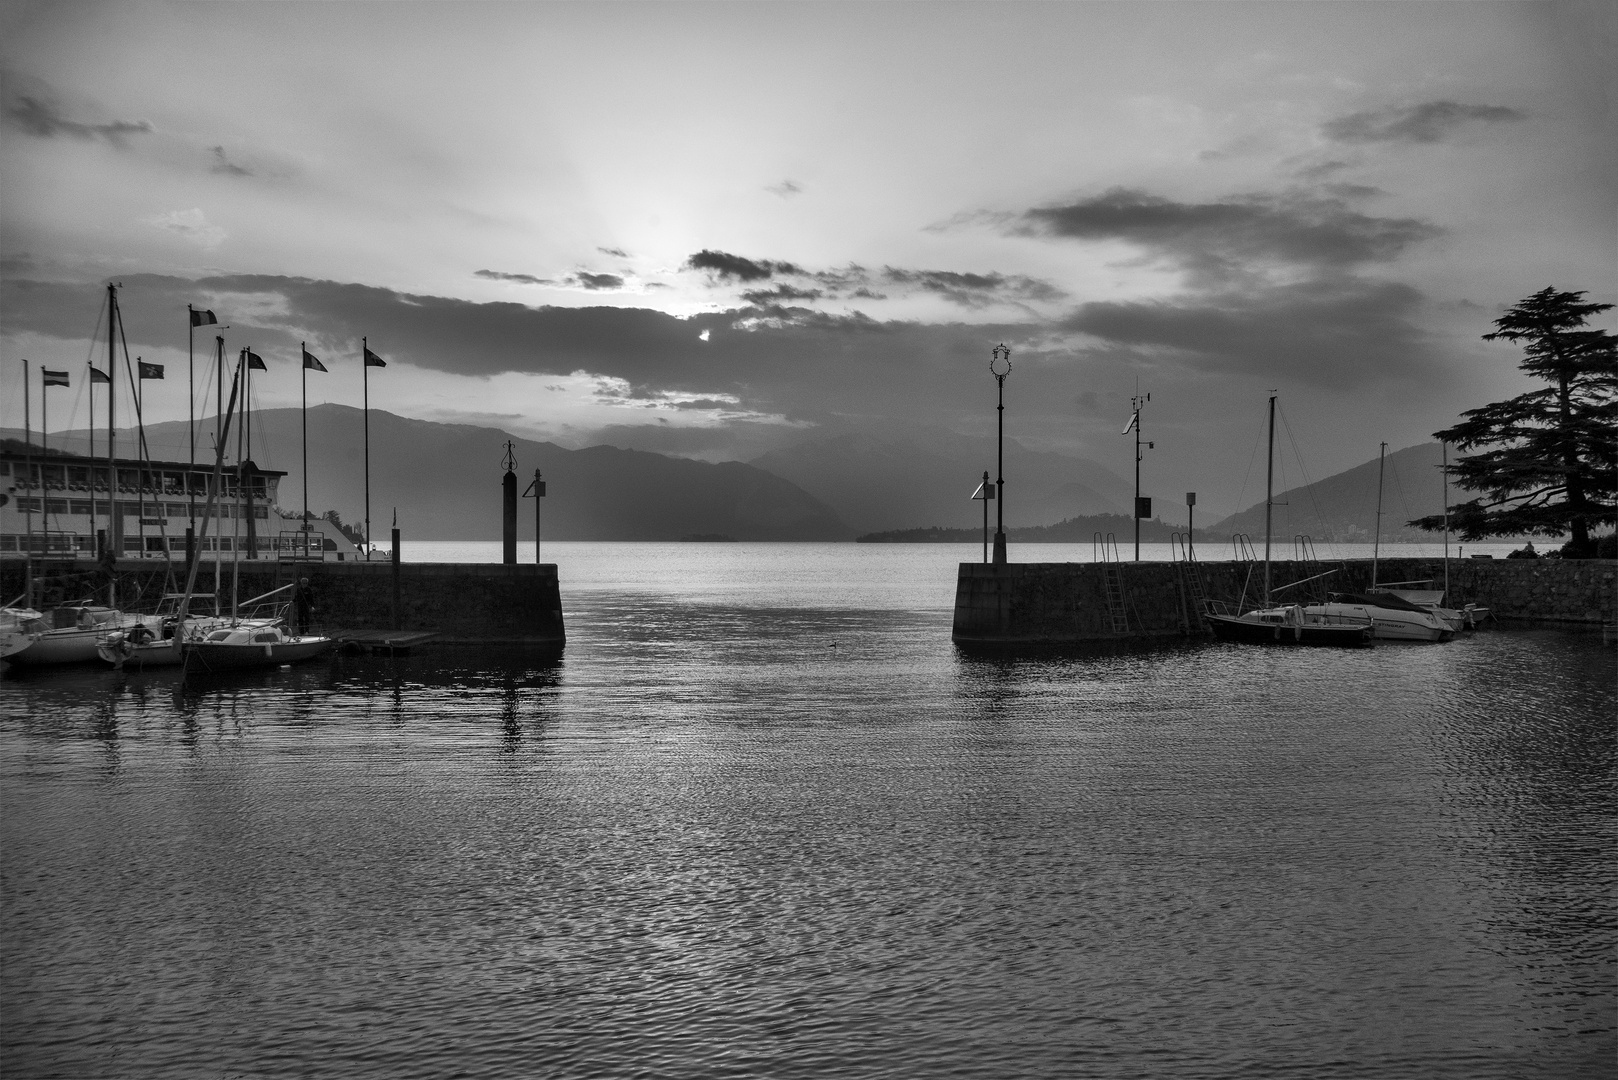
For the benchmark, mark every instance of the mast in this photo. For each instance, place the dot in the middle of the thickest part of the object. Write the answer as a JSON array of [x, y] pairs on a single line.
[[246, 373], [207, 513], [1376, 546], [303, 368], [190, 413], [1269, 492], [28, 467], [1444, 472], [91, 471], [365, 382], [115, 521]]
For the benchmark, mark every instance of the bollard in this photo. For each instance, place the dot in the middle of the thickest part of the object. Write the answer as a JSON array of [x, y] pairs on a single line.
[[396, 625]]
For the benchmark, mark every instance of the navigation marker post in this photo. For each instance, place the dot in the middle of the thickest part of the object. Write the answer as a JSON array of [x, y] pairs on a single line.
[[985, 495], [371, 360], [536, 491], [1000, 367]]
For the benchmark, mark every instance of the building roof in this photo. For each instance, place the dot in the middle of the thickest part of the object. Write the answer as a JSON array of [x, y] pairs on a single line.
[[17, 450]]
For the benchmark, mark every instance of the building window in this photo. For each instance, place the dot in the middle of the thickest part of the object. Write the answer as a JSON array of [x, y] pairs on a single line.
[[78, 476], [56, 506], [28, 504], [54, 476], [80, 506], [261, 511]]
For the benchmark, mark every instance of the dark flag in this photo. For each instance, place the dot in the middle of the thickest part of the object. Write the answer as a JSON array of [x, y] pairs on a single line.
[[47, 377], [254, 360], [373, 360], [309, 361], [150, 371], [203, 318], [97, 375]]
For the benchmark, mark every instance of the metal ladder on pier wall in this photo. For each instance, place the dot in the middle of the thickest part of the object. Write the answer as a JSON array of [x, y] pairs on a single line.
[[1105, 552], [1193, 596]]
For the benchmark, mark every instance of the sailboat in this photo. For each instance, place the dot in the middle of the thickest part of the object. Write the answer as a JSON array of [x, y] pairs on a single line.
[[1392, 617], [1290, 624], [237, 642]]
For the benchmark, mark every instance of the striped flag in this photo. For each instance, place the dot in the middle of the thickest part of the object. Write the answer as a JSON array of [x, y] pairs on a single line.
[[309, 361], [149, 371], [203, 318], [47, 377], [373, 360]]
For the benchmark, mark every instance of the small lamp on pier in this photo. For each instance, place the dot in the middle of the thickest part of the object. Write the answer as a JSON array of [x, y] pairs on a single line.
[[1000, 367]]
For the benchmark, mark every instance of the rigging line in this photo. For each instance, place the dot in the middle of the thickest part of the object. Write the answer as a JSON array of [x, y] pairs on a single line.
[[1308, 484], [1241, 496], [1404, 502]]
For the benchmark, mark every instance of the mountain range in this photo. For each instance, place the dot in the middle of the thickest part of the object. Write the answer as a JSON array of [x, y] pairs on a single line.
[[445, 481]]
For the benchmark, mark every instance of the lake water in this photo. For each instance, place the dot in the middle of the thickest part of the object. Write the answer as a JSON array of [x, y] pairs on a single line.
[[763, 820]]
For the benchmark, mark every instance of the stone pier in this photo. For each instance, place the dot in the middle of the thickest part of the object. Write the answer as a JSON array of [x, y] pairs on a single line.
[[1054, 603], [483, 603]]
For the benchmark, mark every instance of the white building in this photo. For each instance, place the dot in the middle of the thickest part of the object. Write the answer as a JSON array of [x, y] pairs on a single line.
[[59, 504]]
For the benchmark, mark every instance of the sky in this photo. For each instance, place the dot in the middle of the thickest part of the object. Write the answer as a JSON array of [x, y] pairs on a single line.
[[717, 229]]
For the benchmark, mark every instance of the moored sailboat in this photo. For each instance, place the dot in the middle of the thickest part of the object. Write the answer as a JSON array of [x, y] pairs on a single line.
[[1290, 624]]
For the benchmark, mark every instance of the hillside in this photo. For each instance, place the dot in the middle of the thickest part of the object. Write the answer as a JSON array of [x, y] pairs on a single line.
[[895, 480], [445, 481], [1342, 508]]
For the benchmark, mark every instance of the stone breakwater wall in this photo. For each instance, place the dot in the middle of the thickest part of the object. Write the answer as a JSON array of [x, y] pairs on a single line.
[[1063, 602], [465, 602]]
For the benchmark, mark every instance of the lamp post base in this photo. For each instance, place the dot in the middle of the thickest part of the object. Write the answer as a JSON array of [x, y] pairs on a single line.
[[999, 548]]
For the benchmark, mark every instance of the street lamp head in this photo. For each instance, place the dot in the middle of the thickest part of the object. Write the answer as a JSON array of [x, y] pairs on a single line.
[[1000, 364]]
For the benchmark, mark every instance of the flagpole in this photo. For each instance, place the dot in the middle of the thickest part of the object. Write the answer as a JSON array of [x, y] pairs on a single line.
[[365, 382]]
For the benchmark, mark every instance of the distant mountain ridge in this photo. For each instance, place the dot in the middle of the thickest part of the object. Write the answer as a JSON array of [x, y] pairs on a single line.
[[893, 481], [1342, 507], [445, 481]]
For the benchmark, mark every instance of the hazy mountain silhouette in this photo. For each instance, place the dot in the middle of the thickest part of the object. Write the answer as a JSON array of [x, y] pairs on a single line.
[[1342, 507], [445, 480], [922, 477]]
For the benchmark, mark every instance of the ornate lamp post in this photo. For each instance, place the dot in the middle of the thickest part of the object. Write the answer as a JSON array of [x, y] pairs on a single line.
[[1000, 367]]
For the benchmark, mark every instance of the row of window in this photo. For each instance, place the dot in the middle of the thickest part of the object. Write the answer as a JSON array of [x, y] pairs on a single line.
[[80, 476], [69, 543], [30, 504]]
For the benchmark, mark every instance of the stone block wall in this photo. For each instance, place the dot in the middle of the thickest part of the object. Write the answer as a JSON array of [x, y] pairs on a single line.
[[1064, 602], [473, 602]]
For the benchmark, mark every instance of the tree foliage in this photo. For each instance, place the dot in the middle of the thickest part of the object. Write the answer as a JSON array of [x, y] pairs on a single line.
[[1548, 459]]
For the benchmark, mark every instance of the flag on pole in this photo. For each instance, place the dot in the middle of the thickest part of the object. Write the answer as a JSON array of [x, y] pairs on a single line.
[[373, 360], [47, 377], [203, 318], [1134, 418], [97, 375], [254, 360], [309, 361], [150, 371]]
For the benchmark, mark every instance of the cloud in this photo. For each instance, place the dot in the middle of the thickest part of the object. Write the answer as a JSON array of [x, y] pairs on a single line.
[[581, 279], [224, 165], [1339, 333], [724, 265], [36, 116], [617, 253], [192, 224], [521, 279], [786, 189], [974, 290], [1428, 122], [1218, 241], [780, 294]]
